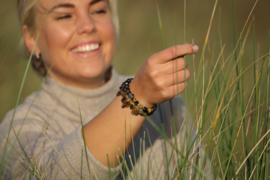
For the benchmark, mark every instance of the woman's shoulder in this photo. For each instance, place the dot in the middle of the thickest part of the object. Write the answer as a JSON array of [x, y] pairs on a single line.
[[32, 107], [20, 109]]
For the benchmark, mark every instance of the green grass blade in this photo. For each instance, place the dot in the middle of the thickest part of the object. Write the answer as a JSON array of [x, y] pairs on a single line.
[[18, 134], [123, 175], [125, 164], [85, 148], [81, 164], [156, 165], [109, 165], [267, 114], [17, 103], [133, 169]]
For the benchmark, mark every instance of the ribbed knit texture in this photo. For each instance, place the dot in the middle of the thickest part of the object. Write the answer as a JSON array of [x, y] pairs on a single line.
[[50, 134]]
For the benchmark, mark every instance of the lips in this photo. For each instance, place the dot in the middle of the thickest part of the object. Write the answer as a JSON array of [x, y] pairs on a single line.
[[86, 48]]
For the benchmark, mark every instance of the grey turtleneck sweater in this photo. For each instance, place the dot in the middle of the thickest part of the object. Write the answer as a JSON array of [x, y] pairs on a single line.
[[48, 126]]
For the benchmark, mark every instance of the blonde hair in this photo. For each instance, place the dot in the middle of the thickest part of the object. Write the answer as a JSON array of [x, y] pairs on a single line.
[[26, 10]]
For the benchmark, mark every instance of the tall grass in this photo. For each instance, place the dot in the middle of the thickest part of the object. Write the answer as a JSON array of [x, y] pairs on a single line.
[[230, 116], [2, 167]]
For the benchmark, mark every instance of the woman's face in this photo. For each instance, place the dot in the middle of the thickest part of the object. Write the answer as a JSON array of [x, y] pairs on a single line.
[[76, 40]]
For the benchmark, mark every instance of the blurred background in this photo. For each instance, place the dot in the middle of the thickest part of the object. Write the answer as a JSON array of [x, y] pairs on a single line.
[[140, 37]]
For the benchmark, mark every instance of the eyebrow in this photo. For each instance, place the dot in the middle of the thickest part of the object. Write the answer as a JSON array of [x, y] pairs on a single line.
[[95, 1], [67, 5]]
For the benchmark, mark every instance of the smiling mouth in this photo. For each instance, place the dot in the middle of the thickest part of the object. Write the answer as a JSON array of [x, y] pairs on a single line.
[[86, 48]]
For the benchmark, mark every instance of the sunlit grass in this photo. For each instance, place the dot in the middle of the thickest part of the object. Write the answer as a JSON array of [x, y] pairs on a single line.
[[230, 117]]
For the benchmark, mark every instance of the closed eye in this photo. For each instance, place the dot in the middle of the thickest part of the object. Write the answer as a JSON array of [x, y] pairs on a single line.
[[100, 12], [64, 17]]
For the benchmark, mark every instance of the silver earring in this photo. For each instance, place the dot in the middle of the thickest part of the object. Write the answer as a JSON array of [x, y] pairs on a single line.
[[37, 55]]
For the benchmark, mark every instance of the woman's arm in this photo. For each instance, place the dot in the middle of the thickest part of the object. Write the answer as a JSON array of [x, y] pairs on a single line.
[[56, 158], [160, 78]]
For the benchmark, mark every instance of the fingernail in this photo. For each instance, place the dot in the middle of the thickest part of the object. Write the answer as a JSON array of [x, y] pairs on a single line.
[[195, 48]]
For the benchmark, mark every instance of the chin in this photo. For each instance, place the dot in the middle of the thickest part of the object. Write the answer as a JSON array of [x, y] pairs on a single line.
[[93, 73]]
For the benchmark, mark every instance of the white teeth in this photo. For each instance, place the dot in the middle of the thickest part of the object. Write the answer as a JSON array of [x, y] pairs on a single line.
[[86, 48]]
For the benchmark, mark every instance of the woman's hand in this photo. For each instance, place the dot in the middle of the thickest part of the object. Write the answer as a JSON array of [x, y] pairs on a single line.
[[162, 76]]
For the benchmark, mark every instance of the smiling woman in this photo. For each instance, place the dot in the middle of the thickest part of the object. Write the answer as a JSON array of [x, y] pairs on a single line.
[[76, 127], [77, 38]]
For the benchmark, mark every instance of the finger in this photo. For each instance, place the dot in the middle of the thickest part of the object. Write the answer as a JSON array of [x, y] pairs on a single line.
[[174, 52], [174, 66], [176, 89], [172, 79], [176, 78], [170, 67]]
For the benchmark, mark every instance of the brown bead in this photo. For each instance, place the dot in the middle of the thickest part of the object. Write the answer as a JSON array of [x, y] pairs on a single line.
[[118, 93], [123, 99], [135, 111], [125, 104]]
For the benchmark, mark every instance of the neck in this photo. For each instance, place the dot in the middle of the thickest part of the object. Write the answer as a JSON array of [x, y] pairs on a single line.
[[83, 83]]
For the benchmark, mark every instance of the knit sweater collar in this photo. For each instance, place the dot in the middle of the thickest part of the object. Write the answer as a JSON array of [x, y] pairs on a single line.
[[69, 96]]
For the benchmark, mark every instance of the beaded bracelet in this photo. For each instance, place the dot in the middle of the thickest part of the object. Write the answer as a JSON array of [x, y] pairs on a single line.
[[129, 100]]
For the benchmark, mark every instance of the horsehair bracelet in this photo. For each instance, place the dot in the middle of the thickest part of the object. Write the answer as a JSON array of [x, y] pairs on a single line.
[[129, 100]]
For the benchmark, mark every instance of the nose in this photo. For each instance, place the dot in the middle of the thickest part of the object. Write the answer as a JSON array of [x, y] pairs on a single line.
[[86, 24]]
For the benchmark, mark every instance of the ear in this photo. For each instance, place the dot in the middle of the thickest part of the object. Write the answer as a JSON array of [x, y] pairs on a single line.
[[30, 40]]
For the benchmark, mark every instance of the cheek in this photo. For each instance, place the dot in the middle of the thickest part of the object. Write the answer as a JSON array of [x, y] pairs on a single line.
[[51, 40], [108, 30], [57, 37]]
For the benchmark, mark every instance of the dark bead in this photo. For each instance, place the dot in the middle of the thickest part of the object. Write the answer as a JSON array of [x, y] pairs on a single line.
[[136, 103], [124, 84], [131, 96], [131, 106], [118, 94], [145, 110], [127, 89], [123, 99], [129, 80]]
